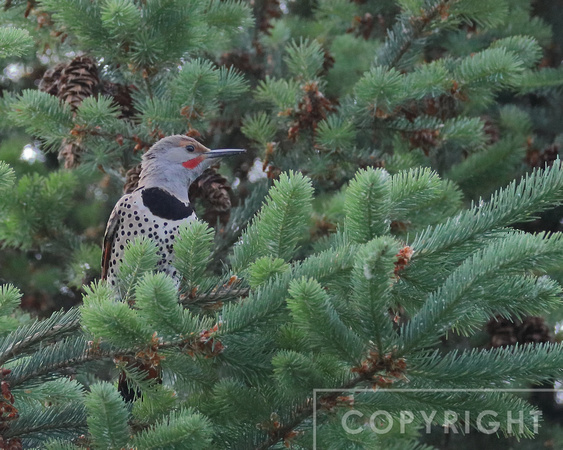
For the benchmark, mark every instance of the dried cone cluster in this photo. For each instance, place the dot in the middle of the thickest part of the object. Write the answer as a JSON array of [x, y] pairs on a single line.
[[403, 258], [72, 82], [215, 193], [206, 345], [270, 9], [427, 139], [542, 158], [8, 412], [505, 332], [382, 370], [132, 179], [312, 108], [362, 26]]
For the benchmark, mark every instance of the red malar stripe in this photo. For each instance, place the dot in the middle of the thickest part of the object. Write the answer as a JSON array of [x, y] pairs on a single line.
[[192, 163]]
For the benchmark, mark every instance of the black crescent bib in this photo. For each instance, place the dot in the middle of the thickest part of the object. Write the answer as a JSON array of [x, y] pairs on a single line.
[[163, 204]]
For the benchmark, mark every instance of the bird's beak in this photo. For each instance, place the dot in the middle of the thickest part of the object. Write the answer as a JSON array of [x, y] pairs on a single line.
[[224, 152]]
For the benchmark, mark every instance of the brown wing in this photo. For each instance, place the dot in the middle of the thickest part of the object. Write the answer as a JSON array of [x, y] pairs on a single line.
[[108, 241]]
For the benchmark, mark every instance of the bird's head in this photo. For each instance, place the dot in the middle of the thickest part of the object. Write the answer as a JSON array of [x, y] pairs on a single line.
[[185, 151], [180, 159]]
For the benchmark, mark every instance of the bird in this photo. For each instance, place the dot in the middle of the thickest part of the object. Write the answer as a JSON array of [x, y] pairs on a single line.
[[155, 210], [160, 204]]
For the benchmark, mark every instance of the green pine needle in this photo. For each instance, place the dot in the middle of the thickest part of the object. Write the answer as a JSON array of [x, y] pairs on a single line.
[[192, 252], [180, 430], [14, 42], [367, 205], [107, 417], [281, 223]]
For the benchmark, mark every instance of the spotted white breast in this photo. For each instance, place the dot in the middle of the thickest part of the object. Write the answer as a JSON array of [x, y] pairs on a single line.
[[153, 213]]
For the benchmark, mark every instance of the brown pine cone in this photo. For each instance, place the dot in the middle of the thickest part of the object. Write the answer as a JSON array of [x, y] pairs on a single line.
[[121, 95], [215, 193], [502, 332], [72, 82], [79, 79], [132, 179], [70, 154], [51, 78], [534, 330]]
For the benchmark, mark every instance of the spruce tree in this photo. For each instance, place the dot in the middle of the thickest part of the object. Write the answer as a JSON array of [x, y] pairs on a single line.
[[348, 263]]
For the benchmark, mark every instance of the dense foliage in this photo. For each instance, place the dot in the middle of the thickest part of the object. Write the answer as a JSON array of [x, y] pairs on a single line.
[[396, 152]]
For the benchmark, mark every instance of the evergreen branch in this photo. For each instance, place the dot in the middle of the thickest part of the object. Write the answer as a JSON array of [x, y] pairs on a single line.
[[372, 280], [264, 269], [140, 256], [42, 114], [519, 202], [313, 312], [14, 41], [283, 94], [281, 223], [157, 299], [489, 166], [416, 399], [525, 47], [450, 305], [297, 374], [59, 444], [59, 391], [496, 367], [215, 295], [534, 80], [266, 301], [406, 31], [72, 351], [304, 60], [184, 428], [260, 128], [25, 338], [10, 298], [420, 193], [76, 351], [367, 205], [240, 217], [107, 417], [192, 252], [7, 177], [305, 411], [37, 423]]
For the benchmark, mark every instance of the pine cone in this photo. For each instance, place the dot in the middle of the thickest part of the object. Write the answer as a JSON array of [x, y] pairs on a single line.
[[215, 193], [70, 154], [491, 130], [312, 108], [122, 96], [502, 332], [78, 80], [362, 26], [264, 13], [132, 179], [534, 330], [72, 83], [543, 158], [328, 62], [51, 78], [244, 62]]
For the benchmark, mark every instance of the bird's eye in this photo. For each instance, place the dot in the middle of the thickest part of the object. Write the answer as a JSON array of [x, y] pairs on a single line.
[[190, 148]]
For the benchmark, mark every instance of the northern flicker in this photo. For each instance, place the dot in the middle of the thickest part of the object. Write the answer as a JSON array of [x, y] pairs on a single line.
[[160, 204]]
